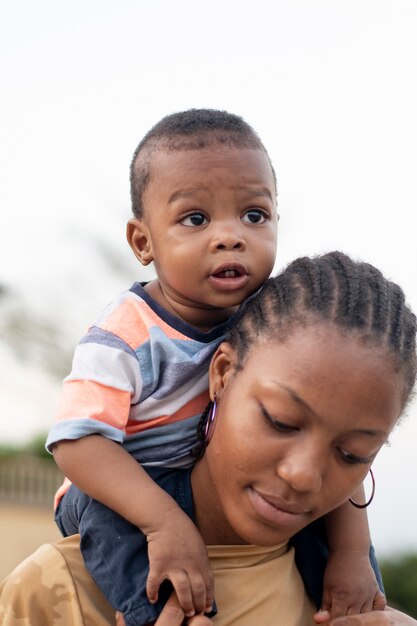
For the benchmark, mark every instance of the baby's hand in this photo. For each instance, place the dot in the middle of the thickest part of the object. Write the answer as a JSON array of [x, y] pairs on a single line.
[[177, 553], [173, 615], [350, 587], [389, 617]]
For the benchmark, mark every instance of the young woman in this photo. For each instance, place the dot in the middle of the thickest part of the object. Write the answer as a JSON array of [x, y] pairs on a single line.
[[313, 377]]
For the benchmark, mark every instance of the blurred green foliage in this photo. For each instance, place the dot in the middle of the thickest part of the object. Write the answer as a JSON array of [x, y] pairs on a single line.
[[35, 447], [400, 579]]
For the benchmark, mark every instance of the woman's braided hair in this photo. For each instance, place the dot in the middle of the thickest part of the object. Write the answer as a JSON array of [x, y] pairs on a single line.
[[332, 288]]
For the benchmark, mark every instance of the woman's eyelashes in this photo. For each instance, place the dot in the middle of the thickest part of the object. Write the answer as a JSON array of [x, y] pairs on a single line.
[[278, 425], [353, 459], [288, 429]]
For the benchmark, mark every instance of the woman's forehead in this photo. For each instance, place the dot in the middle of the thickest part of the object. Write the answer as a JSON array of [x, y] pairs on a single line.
[[330, 371]]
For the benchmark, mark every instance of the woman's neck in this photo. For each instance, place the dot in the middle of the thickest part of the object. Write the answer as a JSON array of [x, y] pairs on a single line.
[[209, 516]]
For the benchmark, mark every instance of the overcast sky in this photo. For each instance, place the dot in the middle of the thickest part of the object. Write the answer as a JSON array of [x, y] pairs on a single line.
[[329, 85]]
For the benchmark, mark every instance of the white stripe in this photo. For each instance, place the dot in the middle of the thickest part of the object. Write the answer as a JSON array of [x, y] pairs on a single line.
[[111, 307], [107, 366], [155, 407]]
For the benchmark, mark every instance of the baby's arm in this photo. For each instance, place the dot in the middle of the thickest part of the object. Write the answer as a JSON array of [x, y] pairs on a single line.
[[175, 548], [349, 582]]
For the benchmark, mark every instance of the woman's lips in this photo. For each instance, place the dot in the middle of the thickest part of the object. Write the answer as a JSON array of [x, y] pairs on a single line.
[[276, 510]]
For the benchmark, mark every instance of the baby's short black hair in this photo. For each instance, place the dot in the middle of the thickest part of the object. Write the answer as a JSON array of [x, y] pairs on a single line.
[[194, 129]]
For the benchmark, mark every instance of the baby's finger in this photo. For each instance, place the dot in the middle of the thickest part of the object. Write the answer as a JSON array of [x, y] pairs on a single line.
[[209, 592], [153, 583], [172, 614], [182, 586], [326, 601], [202, 587], [341, 606], [199, 620], [380, 601], [322, 616], [377, 603], [342, 610], [120, 620], [368, 604]]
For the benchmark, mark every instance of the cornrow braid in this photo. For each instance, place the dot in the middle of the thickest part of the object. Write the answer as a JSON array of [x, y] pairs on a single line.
[[335, 289], [198, 450]]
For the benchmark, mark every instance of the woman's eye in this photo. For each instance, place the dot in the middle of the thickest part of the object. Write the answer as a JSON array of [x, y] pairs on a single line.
[[353, 459], [254, 216], [281, 427], [194, 219]]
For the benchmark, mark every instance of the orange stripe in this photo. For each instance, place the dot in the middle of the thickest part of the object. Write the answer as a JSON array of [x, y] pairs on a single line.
[[132, 320], [193, 407], [88, 399], [125, 322]]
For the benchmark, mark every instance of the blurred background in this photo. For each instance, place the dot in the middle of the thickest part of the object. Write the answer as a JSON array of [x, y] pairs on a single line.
[[330, 87]]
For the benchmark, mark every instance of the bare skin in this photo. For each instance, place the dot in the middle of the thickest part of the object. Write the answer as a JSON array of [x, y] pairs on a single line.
[[387, 617], [299, 423], [116, 477], [317, 437], [216, 205], [173, 615]]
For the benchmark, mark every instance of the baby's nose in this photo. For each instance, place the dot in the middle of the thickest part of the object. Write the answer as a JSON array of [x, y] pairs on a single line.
[[228, 238]]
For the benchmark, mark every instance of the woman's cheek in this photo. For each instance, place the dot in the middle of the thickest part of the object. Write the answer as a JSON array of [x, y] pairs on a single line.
[[339, 488]]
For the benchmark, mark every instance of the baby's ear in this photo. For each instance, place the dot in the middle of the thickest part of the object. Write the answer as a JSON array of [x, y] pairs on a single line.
[[137, 234]]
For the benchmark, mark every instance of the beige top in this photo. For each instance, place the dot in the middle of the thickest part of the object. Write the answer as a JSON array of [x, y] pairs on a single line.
[[259, 586], [254, 587]]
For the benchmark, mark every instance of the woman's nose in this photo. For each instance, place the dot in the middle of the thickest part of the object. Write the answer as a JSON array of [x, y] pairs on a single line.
[[302, 473]]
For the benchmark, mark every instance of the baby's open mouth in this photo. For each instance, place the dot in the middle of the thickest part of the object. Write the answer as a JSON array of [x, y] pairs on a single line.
[[228, 274], [229, 277]]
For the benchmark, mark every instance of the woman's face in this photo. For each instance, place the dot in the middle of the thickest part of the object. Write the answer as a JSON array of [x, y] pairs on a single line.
[[297, 430]]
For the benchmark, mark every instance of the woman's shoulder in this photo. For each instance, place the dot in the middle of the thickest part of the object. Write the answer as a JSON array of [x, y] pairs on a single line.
[[53, 585]]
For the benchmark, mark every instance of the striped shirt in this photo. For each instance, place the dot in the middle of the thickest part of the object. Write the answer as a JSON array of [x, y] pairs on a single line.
[[140, 378]]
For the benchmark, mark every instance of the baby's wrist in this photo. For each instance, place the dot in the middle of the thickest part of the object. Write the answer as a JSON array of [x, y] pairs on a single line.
[[165, 517], [349, 552]]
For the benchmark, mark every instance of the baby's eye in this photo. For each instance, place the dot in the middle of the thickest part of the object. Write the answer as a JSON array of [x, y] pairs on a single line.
[[194, 219], [254, 216]]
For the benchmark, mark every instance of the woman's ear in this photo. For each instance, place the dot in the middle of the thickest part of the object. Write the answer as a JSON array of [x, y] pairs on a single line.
[[222, 367], [137, 234]]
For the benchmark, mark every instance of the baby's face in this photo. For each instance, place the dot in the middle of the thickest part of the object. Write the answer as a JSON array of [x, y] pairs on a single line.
[[211, 226]]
